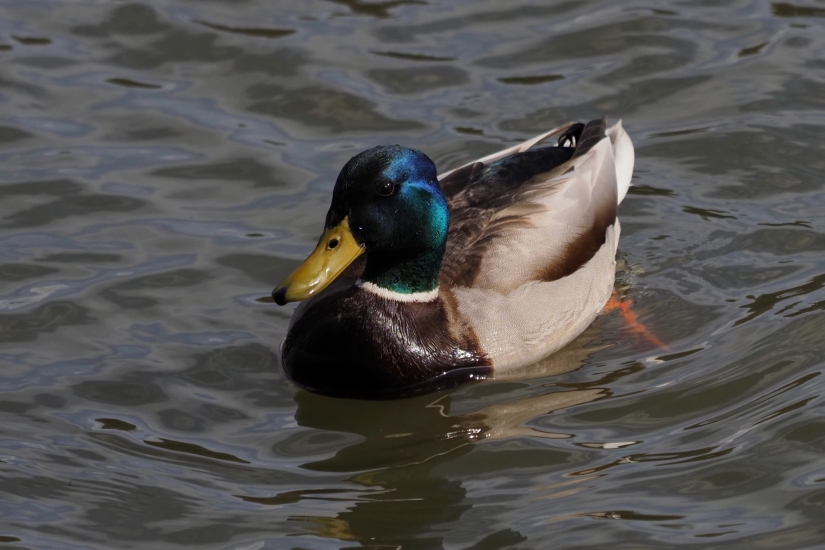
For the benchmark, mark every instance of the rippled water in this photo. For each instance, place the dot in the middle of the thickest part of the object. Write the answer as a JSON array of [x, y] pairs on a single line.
[[165, 163]]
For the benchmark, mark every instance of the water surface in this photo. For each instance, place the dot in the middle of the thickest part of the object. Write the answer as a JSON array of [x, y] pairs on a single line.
[[163, 164]]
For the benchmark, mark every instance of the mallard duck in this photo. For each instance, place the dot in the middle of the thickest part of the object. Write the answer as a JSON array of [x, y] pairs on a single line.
[[438, 281]]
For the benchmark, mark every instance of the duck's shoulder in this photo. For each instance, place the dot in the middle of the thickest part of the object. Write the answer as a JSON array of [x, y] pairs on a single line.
[[358, 343]]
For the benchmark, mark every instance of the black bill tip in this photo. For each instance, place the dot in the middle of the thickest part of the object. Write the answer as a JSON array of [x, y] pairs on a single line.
[[279, 295]]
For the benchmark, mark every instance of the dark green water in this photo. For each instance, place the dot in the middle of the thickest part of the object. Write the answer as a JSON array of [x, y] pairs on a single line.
[[164, 164]]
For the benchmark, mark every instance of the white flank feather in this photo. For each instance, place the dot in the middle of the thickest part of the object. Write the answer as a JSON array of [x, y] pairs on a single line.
[[624, 157]]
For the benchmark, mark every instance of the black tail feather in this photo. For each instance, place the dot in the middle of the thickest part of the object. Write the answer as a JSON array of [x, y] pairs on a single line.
[[593, 133]]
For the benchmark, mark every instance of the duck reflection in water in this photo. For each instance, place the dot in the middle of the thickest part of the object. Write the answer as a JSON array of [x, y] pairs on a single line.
[[408, 447]]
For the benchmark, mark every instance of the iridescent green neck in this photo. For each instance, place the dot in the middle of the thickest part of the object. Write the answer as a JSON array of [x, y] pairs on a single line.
[[404, 275]]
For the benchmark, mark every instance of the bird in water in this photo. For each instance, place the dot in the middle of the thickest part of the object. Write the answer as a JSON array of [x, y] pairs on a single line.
[[421, 282]]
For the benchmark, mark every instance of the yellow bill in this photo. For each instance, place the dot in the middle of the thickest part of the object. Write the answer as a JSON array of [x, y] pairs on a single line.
[[334, 253]]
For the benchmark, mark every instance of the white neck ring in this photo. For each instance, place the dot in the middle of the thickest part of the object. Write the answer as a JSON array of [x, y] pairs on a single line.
[[427, 296]]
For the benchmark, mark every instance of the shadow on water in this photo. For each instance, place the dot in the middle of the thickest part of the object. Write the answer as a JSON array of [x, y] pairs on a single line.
[[402, 447], [405, 499]]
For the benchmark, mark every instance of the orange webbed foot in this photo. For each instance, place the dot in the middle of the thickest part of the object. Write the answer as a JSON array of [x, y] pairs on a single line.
[[630, 319]]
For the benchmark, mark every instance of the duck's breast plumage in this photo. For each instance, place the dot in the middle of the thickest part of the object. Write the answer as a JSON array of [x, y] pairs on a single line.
[[406, 347]]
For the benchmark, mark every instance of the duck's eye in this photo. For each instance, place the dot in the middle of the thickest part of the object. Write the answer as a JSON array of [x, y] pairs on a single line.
[[388, 188]]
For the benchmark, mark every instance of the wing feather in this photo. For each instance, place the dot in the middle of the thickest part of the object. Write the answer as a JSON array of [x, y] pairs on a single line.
[[506, 232]]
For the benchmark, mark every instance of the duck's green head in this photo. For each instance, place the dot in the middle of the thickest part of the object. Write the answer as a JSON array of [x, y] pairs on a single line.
[[388, 205]]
